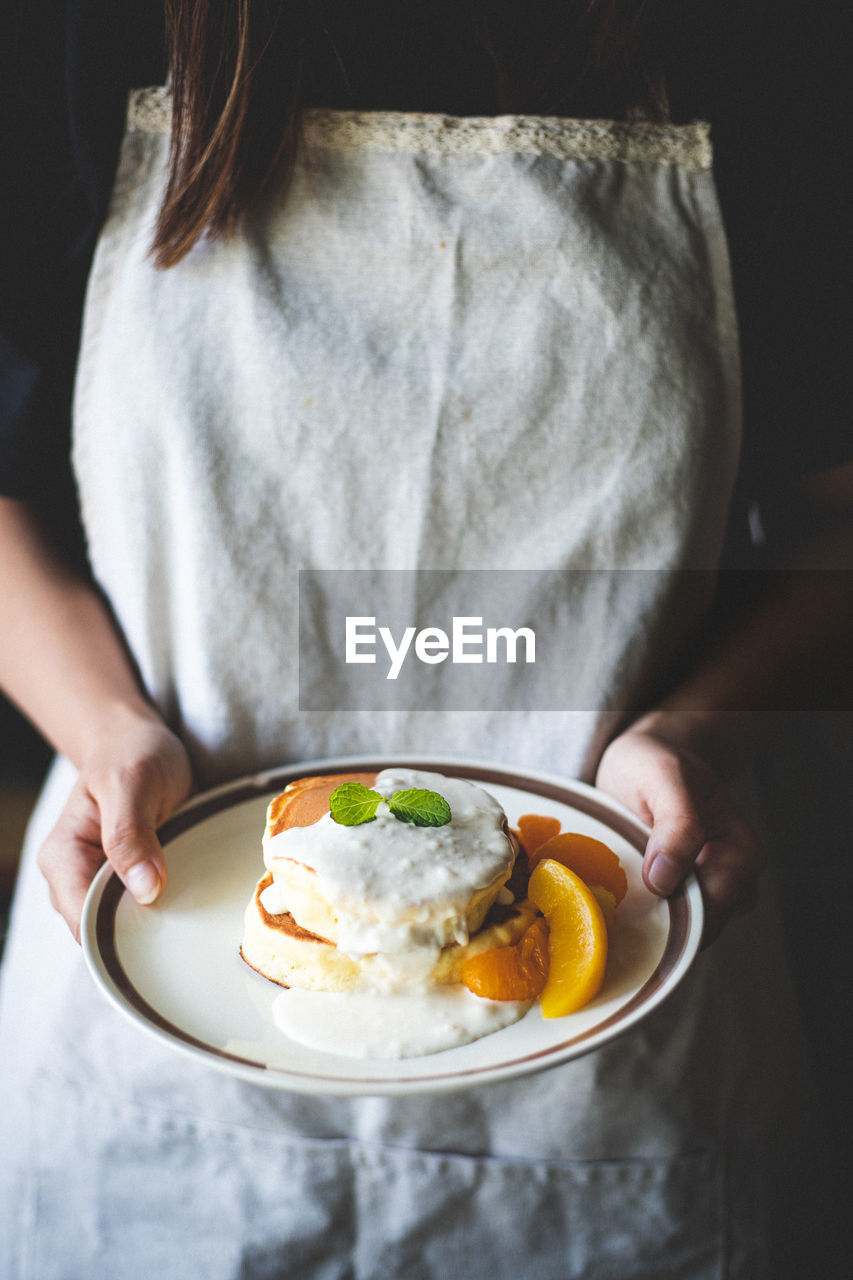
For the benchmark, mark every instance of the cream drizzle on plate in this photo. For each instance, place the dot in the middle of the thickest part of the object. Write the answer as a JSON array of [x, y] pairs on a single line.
[[369, 1024]]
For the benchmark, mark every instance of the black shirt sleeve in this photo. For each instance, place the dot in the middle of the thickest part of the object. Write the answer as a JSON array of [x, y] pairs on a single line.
[[65, 71], [772, 79], [793, 255]]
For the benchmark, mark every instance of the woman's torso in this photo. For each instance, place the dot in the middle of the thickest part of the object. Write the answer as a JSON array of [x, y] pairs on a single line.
[[196, 469]]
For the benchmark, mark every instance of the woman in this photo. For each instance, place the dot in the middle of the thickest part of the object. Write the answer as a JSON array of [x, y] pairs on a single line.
[[516, 318]]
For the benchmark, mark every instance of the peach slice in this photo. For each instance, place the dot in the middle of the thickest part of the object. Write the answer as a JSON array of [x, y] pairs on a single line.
[[593, 861], [534, 829], [517, 972], [577, 938]]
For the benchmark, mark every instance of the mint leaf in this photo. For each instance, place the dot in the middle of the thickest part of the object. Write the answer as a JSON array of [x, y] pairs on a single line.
[[352, 803], [423, 808]]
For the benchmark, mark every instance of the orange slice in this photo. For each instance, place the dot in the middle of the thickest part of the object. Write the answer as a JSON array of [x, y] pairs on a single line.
[[577, 938], [534, 829], [590, 859], [517, 972]]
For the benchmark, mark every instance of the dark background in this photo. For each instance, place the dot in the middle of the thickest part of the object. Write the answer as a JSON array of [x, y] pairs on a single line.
[[24, 757]]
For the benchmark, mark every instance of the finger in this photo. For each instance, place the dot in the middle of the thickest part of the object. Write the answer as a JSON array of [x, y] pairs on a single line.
[[69, 859], [728, 870], [677, 839], [678, 801], [130, 812]]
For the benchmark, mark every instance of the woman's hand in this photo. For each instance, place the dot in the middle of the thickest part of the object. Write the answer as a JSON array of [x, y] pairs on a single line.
[[133, 781], [653, 769], [65, 663]]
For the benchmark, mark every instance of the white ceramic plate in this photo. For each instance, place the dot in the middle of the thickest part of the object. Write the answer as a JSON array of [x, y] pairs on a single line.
[[174, 968]]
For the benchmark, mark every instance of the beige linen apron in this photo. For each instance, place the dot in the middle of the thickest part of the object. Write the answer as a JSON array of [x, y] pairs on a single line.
[[469, 343]]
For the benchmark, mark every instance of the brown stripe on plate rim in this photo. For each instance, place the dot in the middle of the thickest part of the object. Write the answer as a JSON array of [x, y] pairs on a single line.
[[272, 783]]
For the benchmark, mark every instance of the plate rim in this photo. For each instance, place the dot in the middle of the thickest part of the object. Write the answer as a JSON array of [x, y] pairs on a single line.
[[684, 934]]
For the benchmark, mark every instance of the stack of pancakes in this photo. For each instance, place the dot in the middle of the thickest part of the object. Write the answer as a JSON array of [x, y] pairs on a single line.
[[318, 930]]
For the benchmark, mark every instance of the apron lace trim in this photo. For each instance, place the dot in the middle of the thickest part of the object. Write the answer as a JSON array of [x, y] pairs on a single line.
[[687, 146]]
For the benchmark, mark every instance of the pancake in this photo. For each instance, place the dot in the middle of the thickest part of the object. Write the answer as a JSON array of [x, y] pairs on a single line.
[[384, 904], [293, 956], [303, 802], [386, 885], [295, 891]]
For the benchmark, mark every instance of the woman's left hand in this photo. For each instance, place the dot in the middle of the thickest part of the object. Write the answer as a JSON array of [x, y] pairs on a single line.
[[652, 769]]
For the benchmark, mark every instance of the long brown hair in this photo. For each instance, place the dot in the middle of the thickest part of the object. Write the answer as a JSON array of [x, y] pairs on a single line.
[[237, 70]]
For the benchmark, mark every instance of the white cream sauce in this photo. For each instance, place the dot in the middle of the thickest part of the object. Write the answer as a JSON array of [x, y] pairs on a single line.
[[395, 885], [367, 1024]]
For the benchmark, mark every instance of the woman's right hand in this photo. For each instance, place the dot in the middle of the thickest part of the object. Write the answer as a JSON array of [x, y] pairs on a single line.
[[134, 780], [65, 663]]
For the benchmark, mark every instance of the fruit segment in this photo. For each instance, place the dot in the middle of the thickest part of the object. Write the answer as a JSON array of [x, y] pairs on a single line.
[[516, 972], [577, 938], [534, 829], [590, 859]]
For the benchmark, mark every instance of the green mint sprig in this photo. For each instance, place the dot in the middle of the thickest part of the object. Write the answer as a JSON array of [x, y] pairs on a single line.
[[352, 803], [423, 808]]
